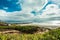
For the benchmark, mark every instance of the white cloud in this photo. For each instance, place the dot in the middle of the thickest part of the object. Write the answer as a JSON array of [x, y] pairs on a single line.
[[51, 10], [25, 15], [5, 7], [56, 1], [15, 15], [33, 4], [51, 14], [3, 13]]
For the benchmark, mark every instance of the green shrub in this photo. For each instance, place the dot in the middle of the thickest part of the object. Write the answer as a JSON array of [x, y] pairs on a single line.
[[27, 29], [24, 29], [51, 35]]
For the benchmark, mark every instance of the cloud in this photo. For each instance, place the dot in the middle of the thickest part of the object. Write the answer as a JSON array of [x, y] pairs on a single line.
[[51, 10], [56, 1], [5, 16], [33, 5], [25, 14], [51, 13]]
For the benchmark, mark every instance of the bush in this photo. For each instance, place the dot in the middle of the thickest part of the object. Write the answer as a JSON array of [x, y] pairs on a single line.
[[24, 29], [27, 29]]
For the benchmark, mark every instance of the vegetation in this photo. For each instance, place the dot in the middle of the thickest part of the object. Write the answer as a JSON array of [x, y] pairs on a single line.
[[27, 29], [24, 29], [30, 33], [51, 35]]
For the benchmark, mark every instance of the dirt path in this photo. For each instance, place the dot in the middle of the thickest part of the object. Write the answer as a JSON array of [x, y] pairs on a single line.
[[5, 31]]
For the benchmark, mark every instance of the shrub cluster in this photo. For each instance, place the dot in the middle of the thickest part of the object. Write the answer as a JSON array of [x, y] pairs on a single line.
[[27, 29], [53, 34], [23, 29]]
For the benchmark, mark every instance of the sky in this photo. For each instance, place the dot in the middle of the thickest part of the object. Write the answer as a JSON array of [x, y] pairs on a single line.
[[30, 11]]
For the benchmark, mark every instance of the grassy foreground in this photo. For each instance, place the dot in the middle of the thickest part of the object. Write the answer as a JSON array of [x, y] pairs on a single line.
[[53, 34]]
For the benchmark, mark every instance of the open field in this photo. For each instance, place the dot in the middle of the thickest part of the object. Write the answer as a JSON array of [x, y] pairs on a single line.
[[29, 32], [51, 35]]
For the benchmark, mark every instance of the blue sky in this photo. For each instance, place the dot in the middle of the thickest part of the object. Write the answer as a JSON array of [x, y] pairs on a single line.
[[28, 11], [11, 5]]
